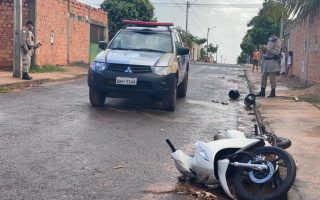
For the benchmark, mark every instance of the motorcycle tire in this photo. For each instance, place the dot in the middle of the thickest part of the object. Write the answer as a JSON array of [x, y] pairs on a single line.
[[266, 184], [283, 142]]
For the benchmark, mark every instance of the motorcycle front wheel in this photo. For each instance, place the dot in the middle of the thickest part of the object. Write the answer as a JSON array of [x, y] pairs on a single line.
[[271, 183]]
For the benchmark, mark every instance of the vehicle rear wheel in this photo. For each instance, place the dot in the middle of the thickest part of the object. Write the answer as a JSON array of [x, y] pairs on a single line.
[[183, 87], [96, 98], [169, 102]]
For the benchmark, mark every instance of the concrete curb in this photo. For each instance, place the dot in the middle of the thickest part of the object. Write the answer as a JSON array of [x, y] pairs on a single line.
[[35, 83], [256, 108]]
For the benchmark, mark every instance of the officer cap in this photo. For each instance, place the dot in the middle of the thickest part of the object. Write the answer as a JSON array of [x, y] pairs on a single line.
[[29, 22], [271, 32]]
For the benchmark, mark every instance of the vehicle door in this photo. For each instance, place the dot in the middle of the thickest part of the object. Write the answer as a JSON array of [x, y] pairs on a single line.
[[178, 43]]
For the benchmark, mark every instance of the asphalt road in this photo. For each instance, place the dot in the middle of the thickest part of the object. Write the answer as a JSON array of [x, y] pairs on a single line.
[[55, 145]]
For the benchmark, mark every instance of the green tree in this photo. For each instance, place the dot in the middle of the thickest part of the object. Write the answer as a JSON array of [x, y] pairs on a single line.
[[119, 10], [269, 17], [191, 38], [301, 8], [212, 49], [203, 53]]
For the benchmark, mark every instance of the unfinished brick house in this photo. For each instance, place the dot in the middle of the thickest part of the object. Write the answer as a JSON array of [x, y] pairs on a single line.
[[303, 38], [69, 31]]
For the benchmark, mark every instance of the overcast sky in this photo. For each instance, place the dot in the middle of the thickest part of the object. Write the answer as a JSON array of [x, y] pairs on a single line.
[[229, 21]]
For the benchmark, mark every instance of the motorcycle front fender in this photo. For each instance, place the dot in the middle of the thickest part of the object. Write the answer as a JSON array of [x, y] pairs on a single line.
[[222, 170], [182, 162]]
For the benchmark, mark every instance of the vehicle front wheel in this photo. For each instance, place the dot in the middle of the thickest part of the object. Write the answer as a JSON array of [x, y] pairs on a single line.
[[183, 87], [266, 184], [96, 98], [169, 101]]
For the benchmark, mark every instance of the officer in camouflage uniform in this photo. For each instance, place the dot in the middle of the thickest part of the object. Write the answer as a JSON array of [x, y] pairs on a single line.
[[271, 65], [27, 49]]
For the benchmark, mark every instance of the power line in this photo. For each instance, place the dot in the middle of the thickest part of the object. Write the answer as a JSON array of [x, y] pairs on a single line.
[[199, 19], [210, 5], [200, 29]]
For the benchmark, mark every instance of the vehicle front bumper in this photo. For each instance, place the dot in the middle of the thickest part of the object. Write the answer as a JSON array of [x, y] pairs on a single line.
[[148, 84]]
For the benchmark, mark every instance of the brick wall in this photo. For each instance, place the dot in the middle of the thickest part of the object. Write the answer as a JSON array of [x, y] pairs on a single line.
[[79, 32], [297, 35], [52, 17], [6, 31]]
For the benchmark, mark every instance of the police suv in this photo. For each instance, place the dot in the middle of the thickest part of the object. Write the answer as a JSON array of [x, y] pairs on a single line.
[[143, 59]]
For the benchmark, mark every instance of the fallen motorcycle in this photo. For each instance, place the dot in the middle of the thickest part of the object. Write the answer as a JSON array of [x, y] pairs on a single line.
[[259, 170]]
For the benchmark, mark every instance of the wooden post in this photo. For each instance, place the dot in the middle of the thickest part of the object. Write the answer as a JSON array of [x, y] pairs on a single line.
[[17, 61]]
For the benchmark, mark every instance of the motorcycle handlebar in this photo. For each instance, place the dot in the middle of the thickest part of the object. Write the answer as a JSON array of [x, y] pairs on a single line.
[[171, 145]]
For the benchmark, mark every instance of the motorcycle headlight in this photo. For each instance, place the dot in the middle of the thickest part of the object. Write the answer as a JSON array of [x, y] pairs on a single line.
[[98, 66], [161, 70], [202, 152]]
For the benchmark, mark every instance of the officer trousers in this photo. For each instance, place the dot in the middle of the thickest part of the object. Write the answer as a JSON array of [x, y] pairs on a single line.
[[272, 77], [26, 61]]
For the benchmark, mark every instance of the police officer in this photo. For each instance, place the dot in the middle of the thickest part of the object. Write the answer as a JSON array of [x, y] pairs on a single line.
[[27, 49], [271, 65]]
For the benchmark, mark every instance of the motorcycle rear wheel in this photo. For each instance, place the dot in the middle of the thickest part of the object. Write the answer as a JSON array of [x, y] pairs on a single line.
[[275, 187]]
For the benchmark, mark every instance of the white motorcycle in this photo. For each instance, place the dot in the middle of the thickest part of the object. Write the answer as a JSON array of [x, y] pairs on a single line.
[[260, 171]]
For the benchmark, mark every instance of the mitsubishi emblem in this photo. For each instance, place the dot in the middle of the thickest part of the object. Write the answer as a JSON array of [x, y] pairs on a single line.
[[128, 70]]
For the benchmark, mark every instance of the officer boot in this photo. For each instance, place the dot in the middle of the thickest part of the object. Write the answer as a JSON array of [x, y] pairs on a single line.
[[29, 76], [262, 93], [25, 76], [272, 94]]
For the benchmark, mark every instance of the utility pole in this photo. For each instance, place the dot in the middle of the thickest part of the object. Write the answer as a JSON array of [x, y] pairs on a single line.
[[188, 6], [221, 59], [208, 45], [208, 41], [17, 62], [217, 56], [281, 23]]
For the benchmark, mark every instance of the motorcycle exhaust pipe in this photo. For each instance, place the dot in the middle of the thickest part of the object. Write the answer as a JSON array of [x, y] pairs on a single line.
[[171, 145]]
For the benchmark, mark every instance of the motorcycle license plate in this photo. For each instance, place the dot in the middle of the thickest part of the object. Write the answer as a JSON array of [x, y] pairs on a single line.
[[126, 81]]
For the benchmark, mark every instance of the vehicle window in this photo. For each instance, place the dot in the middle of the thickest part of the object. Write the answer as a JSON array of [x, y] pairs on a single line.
[[138, 40]]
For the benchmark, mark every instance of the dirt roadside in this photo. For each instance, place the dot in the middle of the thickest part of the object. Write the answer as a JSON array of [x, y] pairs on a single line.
[[9, 83], [298, 120]]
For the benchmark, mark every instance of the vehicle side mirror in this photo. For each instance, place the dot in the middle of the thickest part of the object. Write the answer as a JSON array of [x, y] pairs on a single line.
[[103, 45], [183, 51]]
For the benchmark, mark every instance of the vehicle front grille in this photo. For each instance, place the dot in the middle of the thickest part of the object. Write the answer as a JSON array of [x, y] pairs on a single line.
[[134, 68]]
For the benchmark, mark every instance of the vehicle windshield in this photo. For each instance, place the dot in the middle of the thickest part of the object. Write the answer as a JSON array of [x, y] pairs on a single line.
[[143, 41]]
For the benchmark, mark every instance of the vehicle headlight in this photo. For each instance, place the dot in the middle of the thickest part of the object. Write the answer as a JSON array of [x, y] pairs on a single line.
[[202, 152], [161, 70], [98, 66]]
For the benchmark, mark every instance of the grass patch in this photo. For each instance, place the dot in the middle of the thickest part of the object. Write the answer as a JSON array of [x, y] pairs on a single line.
[[5, 90], [46, 68], [313, 100]]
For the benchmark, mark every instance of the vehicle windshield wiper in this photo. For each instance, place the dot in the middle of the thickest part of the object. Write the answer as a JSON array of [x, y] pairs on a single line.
[[153, 50]]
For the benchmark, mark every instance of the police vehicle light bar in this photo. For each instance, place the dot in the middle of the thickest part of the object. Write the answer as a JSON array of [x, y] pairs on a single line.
[[141, 23]]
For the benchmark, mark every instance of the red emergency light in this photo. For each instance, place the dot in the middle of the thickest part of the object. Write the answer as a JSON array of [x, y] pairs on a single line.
[[141, 23]]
